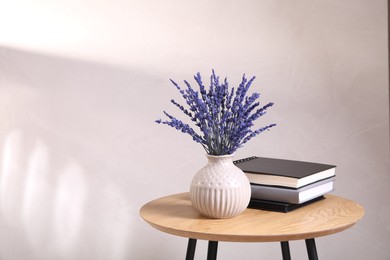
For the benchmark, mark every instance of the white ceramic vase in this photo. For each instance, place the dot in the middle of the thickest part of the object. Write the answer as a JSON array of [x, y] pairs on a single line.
[[220, 189]]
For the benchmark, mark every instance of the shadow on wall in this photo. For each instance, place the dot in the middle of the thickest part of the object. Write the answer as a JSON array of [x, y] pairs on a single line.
[[72, 136]]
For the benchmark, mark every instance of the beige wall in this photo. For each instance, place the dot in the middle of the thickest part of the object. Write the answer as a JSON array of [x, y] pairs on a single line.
[[81, 83]]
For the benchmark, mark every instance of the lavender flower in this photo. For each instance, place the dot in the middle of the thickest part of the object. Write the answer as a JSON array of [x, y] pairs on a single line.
[[225, 118]]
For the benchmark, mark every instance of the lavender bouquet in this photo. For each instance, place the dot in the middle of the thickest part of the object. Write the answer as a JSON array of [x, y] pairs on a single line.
[[224, 117]]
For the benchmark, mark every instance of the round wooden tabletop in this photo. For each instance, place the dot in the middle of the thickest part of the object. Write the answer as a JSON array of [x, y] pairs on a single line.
[[175, 215]]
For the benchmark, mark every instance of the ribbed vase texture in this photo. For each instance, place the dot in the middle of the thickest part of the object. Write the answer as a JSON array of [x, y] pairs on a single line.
[[220, 189]]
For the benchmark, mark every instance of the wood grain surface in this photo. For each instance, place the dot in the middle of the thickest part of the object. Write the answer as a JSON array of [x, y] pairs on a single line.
[[174, 215]]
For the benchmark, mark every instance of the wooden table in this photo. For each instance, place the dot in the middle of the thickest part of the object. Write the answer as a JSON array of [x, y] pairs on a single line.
[[175, 215]]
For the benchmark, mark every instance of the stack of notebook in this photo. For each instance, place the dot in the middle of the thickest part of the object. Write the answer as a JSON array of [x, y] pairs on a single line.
[[284, 185]]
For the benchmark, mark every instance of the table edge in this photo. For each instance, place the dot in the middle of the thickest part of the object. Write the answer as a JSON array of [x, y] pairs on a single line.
[[249, 238]]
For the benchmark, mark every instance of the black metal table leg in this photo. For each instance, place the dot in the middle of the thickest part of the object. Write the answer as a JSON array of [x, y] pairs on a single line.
[[191, 249], [212, 250], [285, 250], [311, 249]]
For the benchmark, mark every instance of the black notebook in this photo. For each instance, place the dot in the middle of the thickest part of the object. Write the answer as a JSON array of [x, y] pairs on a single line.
[[279, 206], [284, 173]]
